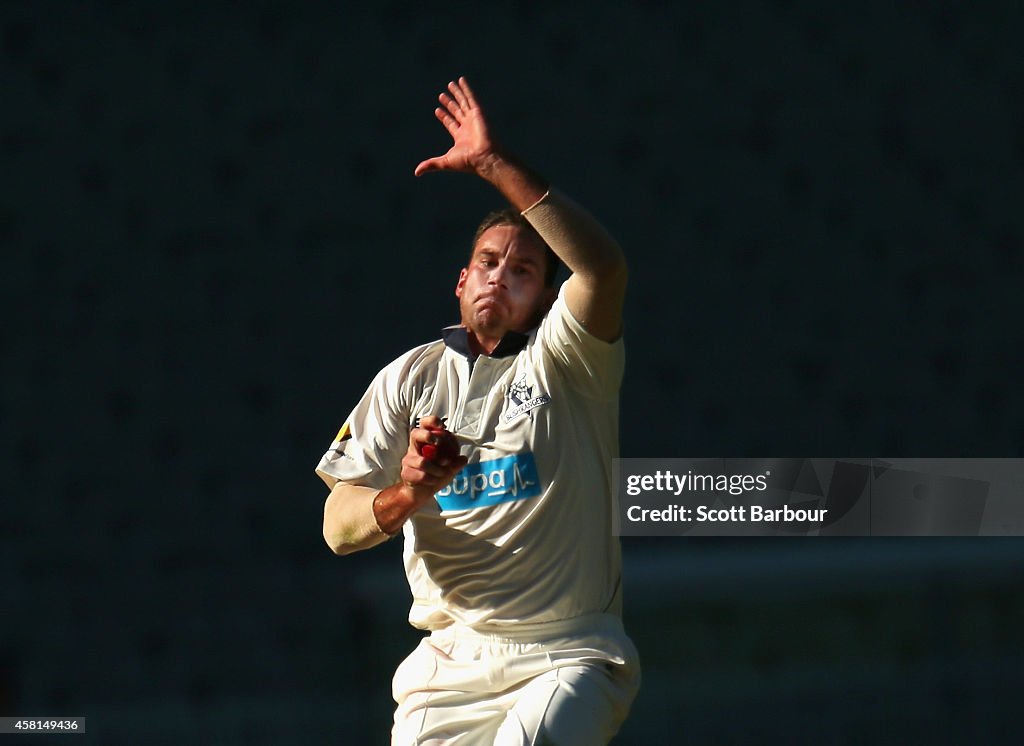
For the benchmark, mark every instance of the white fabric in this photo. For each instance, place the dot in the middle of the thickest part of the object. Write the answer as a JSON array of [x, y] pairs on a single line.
[[571, 685], [540, 559], [513, 567]]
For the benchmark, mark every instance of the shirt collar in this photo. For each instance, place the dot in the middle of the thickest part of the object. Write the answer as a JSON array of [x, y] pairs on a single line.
[[457, 338]]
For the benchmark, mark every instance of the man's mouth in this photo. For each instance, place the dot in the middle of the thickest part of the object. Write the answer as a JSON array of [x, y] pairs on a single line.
[[489, 298]]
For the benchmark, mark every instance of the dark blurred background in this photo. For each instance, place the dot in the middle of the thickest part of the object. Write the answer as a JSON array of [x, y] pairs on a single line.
[[212, 239]]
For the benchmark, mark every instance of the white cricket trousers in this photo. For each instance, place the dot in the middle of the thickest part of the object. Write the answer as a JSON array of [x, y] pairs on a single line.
[[569, 683]]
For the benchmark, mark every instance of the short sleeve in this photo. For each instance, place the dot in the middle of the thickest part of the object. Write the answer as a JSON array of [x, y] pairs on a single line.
[[591, 365], [368, 449]]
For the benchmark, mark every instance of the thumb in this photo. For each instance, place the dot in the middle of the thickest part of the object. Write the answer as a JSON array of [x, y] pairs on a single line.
[[431, 164]]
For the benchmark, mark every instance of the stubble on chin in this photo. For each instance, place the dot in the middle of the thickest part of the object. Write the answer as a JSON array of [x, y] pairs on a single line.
[[487, 322]]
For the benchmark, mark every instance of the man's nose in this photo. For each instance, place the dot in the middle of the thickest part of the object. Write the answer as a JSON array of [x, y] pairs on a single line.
[[497, 275]]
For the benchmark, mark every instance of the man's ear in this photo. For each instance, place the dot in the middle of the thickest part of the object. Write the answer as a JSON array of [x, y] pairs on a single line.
[[461, 283]]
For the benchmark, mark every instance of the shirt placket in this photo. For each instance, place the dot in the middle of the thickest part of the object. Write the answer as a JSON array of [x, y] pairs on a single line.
[[472, 415]]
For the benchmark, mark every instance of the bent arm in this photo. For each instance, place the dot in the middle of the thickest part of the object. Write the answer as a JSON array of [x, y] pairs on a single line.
[[357, 518], [350, 523], [597, 288], [596, 291]]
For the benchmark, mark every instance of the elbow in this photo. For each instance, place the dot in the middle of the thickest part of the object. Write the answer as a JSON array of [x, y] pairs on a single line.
[[613, 266], [333, 544], [339, 543], [619, 272], [349, 523], [608, 277], [610, 269], [348, 539]]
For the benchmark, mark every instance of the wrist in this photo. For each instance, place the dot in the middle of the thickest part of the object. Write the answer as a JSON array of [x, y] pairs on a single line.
[[391, 507], [407, 497], [378, 511], [491, 164], [520, 185]]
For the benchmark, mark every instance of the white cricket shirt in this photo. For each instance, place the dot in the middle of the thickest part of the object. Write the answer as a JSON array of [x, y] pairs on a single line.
[[523, 534]]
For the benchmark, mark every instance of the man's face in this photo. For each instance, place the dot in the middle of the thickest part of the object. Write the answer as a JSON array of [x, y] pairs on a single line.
[[503, 289]]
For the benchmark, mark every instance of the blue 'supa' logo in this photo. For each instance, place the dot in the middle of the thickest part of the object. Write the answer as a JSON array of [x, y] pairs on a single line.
[[491, 482]]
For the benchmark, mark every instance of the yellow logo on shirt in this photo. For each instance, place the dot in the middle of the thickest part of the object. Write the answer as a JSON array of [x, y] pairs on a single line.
[[343, 434]]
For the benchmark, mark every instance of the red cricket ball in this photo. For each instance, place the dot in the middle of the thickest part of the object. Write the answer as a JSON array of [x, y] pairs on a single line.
[[447, 446]]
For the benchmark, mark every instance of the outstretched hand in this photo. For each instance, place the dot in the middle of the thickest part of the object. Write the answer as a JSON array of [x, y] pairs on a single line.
[[474, 146]]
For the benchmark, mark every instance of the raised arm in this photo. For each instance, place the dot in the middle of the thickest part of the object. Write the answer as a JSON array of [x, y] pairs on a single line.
[[595, 292]]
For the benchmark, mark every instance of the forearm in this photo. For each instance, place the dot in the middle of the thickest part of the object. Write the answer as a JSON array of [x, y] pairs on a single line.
[[396, 504], [576, 237], [357, 518], [350, 524], [516, 181]]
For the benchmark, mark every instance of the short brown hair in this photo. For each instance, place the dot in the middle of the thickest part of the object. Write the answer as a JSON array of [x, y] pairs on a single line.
[[511, 216]]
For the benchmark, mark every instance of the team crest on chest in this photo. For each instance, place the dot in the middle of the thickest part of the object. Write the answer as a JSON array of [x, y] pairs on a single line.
[[521, 400]]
